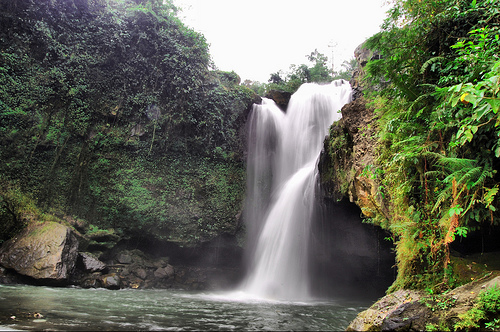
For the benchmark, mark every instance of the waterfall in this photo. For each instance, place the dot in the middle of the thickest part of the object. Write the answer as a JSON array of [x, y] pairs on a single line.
[[281, 177]]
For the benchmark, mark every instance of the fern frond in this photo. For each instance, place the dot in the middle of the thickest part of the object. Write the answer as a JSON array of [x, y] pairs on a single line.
[[444, 195], [470, 175], [482, 178], [430, 62], [416, 102], [456, 163], [472, 201], [433, 174], [411, 141], [431, 155], [432, 87]]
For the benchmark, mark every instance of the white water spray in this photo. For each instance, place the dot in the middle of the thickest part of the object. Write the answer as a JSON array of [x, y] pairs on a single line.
[[281, 179]]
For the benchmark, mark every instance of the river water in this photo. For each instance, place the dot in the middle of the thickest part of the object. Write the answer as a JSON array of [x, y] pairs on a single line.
[[133, 309]]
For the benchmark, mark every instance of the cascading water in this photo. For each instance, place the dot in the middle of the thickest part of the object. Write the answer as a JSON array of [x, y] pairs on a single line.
[[281, 179]]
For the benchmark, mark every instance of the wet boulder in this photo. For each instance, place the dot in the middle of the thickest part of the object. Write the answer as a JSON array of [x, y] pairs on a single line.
[[91, 263], [164, 272], [111, 281], [42, 251], [93, 280], [124, 258], [141, 273]]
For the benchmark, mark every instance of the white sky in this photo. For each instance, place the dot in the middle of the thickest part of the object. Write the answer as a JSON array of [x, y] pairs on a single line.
[[256, 38]]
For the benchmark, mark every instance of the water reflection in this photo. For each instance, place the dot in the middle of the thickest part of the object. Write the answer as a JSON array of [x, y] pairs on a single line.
[[100, 309]]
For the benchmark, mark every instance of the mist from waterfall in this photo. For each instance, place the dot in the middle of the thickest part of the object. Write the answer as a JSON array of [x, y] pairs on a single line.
[[283, 151]]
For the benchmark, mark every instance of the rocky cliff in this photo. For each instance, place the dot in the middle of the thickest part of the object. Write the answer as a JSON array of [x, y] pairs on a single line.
[[114, 125], [111, 114], [348, 170], [346, 164]]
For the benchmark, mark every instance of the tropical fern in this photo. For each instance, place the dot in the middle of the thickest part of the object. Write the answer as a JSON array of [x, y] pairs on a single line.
[[430, 63]]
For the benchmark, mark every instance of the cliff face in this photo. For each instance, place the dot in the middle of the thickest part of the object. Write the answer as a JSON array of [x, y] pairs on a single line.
[[347, 151], [346, 163], [109, 113]]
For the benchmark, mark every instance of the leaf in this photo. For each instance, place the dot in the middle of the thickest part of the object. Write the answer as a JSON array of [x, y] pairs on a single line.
[[456, 88], [462, 97], [495, 104], [469, 135], [481, 111], [461, 231], [489, 195], [471, 98], [455, 210], [497, 152]]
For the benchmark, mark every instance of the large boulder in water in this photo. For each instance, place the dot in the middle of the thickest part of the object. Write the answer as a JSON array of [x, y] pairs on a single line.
[[42, 251]]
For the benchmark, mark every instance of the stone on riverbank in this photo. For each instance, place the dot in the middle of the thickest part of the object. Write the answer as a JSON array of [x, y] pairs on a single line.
[[91, 263], [41, 251], [409, 310]]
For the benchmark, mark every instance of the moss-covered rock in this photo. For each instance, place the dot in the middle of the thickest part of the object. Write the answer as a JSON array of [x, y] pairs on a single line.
[[112, 115], [409, 310], [347, 167], [41, 251], [281, 98]]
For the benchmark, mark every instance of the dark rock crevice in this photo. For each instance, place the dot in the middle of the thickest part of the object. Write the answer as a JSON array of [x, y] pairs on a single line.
[[349, 258]]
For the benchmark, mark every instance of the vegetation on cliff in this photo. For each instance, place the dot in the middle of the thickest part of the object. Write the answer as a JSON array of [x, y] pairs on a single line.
[[427, 169], [110, 111], [437, 97]]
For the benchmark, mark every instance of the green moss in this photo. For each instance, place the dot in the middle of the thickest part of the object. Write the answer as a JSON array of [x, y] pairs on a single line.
[[437, 136], [181, 199], [335, 162]]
